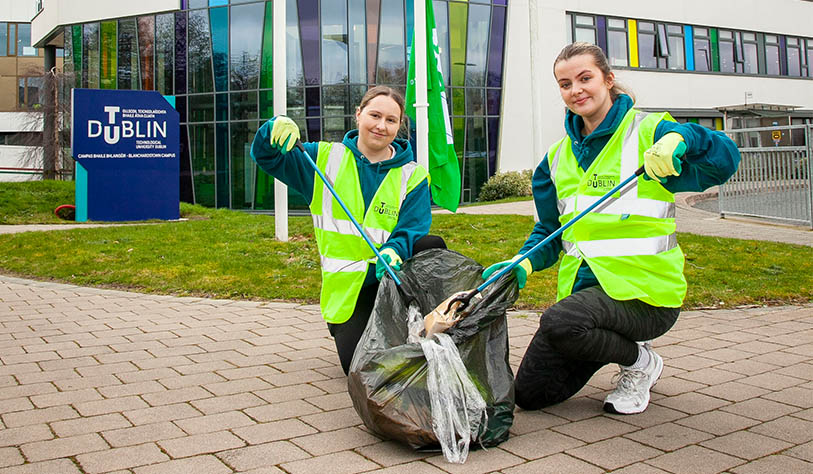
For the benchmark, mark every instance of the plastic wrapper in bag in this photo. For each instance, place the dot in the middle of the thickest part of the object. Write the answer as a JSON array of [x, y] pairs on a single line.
[[388, 376]]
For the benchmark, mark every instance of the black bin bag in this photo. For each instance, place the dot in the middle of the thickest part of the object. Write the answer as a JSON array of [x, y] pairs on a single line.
[[388, 376]]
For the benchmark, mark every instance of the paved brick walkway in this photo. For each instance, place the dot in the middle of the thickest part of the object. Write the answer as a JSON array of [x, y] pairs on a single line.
[[107, 381]]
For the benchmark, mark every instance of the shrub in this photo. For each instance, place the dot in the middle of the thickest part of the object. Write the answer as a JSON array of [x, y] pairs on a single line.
[[508, 184]]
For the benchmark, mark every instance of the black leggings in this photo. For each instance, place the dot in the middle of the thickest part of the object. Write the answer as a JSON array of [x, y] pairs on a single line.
[[579, 335], [347, 335]]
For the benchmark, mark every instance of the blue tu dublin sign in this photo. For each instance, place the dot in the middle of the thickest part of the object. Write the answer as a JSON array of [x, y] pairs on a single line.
[[126, 145]]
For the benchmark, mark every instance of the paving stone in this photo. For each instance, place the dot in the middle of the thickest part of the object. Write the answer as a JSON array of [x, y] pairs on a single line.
[[44, 415], [214, 422], [495, 459], [273, 431], [760, 409], [333, 441], [788, 428], [10, 456], [24, 434], [112, 405], [415, 467], [528, 421], [268, 454], [669, 436], [121, 458], [336, 463], [802, 451], [89, 424], [746, 445], [695, 460], [63, 447], [614, 453], [221, 404], [594, 429], [142, 434], [150, 415], [776, 463], [300, 409], [205, 464], [556, 464], [528, 446], [733, 391], [201, 444], [56, 466], [391, 453]]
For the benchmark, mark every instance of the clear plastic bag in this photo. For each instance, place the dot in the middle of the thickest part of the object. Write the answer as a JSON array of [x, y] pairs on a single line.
[[458, 409]]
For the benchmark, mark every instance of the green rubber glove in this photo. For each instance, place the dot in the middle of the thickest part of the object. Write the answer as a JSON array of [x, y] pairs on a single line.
[[392, 258], [663, 158], [284, 133], [521, 271]]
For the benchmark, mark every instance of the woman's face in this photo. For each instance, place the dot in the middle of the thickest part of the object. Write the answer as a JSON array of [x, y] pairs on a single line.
[[584, 88], [378, 122]]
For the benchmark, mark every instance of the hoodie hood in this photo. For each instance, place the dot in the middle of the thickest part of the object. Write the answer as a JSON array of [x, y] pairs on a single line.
[[587, 148], [403, 152]]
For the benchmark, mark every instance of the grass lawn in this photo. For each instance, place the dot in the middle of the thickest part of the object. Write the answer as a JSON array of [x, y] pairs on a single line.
[[228, 254]]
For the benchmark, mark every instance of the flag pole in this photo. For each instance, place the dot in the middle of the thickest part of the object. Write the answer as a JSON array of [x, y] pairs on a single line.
[[421, 100], [280, 108]]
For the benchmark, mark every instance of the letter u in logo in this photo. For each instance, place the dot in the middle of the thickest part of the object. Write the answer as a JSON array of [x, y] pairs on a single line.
[[111, 140]]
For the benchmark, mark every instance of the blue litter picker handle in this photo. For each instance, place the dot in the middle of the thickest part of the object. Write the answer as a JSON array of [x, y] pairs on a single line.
[[329, 186], [465, 299]]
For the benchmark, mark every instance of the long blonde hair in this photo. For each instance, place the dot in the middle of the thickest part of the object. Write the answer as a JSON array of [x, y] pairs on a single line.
[[579, 48]]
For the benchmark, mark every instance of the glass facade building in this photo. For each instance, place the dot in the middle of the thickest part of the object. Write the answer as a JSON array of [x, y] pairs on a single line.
[[215, 57]]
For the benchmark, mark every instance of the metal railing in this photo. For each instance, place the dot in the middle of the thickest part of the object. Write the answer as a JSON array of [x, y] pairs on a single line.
[[774, 178]]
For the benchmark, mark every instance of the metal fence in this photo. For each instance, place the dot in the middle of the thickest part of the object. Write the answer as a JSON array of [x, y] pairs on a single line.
[[774, 178]]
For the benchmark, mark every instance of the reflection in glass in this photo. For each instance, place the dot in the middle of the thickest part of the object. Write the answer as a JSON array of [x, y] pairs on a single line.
[[267, 66], [222, 164], [201, 108], [391, 47], [180, 52], [165, 53], [475, 101], [335, 101], [373, 17], [146, 30], [295, 75], [309, 28], [67, 65], [458, 18], [246, 39], [476, 155], [617, 47], [357, 42], [3, 38], [334, 43], [200, 52], [77, 55], [476, 53], [107, 66], [266, 104], [202, 149], [243, 105], [496, 46], [219, 20], [127, 54], [296, 103], [221, 107], [90, 56], [243, 168]]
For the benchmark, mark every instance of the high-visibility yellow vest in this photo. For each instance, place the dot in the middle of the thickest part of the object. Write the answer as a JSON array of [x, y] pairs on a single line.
[[629, 240], [343, 251]]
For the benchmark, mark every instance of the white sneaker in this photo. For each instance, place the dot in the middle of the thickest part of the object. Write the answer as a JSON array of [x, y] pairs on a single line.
[[631, 394]]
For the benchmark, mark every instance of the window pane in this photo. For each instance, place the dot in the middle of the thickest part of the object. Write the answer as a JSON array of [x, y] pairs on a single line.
[[569, 27], [646, 50], [202, 149], [702, 55], [357, 42], [295, 75], [477, 44], [334, 43], [585, 20], [586, 35], [127, 54], [201, 108], [727, 56], [3, 38], [772, 59], [243, 105], [616, 23], [794, 62], [90, 56], [676, 56], [146, 34], [200, 52], [165, 53], [12, 45], [698, 31], [748, 37], [246, 41], [750, 51], [617, 46], [442, 27], [242, 167], [24, 40], [391, 48]]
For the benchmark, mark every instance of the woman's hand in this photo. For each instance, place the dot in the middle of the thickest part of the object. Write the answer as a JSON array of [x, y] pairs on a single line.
[[284, 133], [663, 158], [391, 258], [521, 271]]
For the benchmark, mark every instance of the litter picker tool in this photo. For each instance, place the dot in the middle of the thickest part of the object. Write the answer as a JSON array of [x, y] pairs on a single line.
[[466, 298], [408, 297]]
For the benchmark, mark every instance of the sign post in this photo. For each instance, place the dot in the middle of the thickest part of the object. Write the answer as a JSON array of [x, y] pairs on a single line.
[[126, 145]]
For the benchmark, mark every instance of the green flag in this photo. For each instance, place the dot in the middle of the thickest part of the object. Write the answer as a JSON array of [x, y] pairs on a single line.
[[443, 167]]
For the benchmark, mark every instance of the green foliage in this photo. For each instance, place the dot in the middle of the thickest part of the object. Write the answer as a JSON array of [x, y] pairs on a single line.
[[508, 184], [33, 202]]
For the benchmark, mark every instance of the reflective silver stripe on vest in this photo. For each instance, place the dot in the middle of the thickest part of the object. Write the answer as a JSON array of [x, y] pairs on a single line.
[[635, 206], [629, 147], [555, 162], [335, 265], [627, 247], [566, 205], [570, 249]]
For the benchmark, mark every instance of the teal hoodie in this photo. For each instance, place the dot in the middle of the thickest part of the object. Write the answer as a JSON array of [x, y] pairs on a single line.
[[711, 158], [293, 169]]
